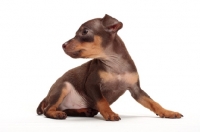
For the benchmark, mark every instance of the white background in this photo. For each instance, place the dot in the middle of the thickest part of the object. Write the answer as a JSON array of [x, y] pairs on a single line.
[[162, 36]]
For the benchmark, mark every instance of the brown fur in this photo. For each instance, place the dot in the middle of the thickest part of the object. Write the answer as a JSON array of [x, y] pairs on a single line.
[[95, 85]]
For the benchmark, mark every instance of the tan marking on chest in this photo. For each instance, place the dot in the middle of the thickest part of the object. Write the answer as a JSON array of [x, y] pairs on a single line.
[[130, 78]]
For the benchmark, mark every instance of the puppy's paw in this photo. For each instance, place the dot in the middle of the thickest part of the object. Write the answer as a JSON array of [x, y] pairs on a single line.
[[60, 115], [169, 114], [56, 114], [111, 116]]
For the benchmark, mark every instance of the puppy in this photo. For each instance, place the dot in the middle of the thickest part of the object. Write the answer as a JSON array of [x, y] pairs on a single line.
[[95, 85]]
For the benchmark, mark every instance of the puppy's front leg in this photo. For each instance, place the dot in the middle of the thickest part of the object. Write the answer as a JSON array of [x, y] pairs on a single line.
[[105, 110], [140, 96], [102, 105]]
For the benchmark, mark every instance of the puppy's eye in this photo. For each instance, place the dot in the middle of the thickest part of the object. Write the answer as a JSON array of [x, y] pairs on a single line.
[[85, 31]]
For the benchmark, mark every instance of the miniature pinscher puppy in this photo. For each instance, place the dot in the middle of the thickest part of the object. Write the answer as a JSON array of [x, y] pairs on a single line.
[[95, 85]]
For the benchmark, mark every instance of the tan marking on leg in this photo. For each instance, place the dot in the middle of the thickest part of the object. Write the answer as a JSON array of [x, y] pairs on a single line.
[[105, 110], [52, 111], [157, 108]]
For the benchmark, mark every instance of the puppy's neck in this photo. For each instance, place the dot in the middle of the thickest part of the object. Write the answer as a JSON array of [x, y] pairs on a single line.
[[117, 58]]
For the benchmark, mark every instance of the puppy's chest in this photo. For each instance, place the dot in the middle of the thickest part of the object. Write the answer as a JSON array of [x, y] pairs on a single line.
[[114, 81]]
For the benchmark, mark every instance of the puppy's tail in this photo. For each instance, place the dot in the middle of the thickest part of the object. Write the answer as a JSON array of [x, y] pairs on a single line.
[[42, 105]]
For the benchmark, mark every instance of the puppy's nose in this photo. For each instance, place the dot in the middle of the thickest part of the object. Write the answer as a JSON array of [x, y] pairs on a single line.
[[64, 46]]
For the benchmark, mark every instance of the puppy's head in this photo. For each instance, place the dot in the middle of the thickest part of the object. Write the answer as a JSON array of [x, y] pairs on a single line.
[[92, 38]]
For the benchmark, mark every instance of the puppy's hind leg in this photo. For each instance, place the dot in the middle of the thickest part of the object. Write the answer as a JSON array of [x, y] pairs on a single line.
[[40, 108], [54, 99], [141, 97]]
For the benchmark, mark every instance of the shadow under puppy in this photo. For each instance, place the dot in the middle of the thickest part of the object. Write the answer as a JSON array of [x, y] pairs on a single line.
[[95, 85]]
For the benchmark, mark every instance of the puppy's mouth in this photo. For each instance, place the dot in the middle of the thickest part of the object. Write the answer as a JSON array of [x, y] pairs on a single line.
[[74, 54]]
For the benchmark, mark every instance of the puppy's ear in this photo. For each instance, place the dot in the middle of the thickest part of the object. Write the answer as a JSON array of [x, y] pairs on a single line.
[[111, 24]]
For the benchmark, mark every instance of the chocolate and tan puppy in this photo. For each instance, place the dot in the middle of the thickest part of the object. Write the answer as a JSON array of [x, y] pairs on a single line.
[[95, 85]]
